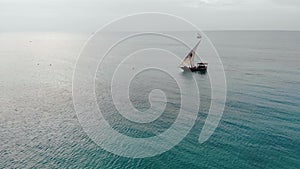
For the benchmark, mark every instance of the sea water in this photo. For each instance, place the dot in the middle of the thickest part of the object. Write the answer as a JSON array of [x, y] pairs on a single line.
[[259, 127]]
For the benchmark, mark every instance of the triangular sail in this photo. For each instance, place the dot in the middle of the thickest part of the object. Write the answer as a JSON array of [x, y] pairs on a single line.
[[188, 61]]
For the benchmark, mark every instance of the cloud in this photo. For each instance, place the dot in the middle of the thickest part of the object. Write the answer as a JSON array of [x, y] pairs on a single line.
[[90, 14], [216, 3], [287, 2]]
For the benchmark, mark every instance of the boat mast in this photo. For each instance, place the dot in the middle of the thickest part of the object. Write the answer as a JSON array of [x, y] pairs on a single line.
[[189, 59], [196, 46], [193, 52]]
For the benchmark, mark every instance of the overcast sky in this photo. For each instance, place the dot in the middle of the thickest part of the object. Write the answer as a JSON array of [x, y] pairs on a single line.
[[89, 15]]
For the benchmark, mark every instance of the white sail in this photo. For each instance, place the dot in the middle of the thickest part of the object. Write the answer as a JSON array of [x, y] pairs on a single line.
[[188, 61]]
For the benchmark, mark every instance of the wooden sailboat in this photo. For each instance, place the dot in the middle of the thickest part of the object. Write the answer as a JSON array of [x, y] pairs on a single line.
[[188, 62]]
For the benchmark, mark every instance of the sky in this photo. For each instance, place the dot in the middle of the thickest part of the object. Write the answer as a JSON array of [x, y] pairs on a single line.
[[89, 15]]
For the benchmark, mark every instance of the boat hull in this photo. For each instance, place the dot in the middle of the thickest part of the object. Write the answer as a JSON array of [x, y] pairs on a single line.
[[195, 69]]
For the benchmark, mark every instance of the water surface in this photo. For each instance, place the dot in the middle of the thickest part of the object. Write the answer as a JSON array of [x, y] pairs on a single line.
[[259, 128]]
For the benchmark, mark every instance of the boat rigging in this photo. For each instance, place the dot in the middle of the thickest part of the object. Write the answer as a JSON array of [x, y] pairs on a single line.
[[188, 62]]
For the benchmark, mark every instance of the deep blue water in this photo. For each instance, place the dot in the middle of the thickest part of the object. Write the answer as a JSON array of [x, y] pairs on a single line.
[[260, 126]]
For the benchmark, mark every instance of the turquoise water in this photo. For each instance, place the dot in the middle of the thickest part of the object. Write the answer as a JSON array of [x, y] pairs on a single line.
[[259, 128]]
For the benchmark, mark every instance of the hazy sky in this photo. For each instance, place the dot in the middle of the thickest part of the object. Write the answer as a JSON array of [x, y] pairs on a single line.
[[88, 15]]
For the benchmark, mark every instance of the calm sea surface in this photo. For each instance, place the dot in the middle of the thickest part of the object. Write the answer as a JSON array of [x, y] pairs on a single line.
[[260, 126]]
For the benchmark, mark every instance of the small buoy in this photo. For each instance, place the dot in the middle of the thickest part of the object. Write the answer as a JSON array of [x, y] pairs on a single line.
[[38, 64], [50, 64]]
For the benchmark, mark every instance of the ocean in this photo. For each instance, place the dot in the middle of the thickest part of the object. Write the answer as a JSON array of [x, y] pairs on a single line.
[[259, 128]]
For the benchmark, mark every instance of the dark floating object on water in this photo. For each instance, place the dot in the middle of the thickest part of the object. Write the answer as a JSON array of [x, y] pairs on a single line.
[[200, 67], [50, 64], [188, 62]]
